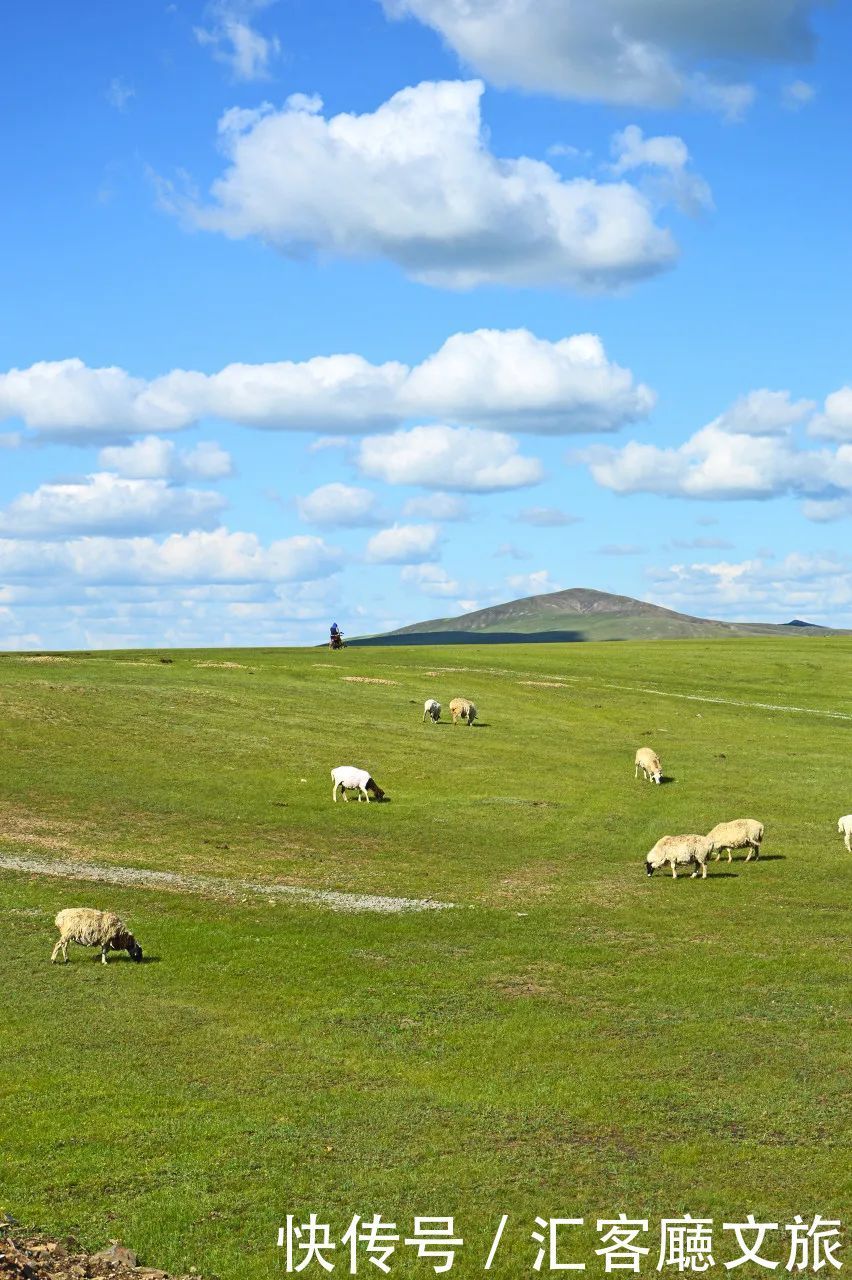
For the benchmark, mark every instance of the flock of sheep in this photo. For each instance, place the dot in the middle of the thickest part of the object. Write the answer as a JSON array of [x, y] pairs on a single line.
[[90, 928]]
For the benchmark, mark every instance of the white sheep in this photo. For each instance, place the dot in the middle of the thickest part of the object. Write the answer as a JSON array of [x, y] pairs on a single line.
[[90, 928], [431, 710], [742, 833], [649, 762], [680, 851], [461, 709], [347, 778], [844, 828]]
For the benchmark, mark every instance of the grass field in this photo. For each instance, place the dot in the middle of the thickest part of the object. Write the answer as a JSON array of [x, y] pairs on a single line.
[[572, 1039]]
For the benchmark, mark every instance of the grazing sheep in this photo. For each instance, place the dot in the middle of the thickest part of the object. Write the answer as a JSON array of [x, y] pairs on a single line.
[[649, 762], [742, 833], [432, 710], [461, 709], [90, 928], [680, 851], [844, 828], [347, 778]]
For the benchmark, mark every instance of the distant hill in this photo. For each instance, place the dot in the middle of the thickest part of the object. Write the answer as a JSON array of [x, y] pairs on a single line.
[[576, 615]]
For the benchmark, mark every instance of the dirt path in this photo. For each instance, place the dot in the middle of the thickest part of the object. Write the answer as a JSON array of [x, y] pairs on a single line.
[[216, 886]]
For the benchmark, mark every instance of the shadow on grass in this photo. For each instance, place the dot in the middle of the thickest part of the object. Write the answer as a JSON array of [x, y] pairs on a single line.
[[665, 780]]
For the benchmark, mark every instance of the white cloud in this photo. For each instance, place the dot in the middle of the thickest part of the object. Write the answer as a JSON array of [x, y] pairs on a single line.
[[835, 422], [235, 42], [415, 182], [499, 378], [566, 151], [197, 557], [105, 503], [10, 440], [487, 378], [437, 506], [651, 53], [538, 583], [797, 95], [338, 504], [763, 413], [816, 587], [404, 544], [547, 517], [429, 580], [119, 93], [454, 458], [154, 458], [670, 157], [748, 452]]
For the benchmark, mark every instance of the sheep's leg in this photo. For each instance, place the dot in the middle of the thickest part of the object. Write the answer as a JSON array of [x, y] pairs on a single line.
[[636, 772], [730, 855], [103, 954], [366, 795], [674, 871], [334, 793], [846, 841], [55, 952], [704, 871]]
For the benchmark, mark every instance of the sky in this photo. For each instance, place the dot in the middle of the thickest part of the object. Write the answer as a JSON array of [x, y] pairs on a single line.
[[374, 311]]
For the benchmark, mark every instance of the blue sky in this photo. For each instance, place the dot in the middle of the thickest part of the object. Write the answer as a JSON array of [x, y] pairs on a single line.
[[380, 310]]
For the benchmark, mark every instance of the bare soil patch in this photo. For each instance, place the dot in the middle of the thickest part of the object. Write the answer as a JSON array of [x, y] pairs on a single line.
[[367, 680], [24, 1256]]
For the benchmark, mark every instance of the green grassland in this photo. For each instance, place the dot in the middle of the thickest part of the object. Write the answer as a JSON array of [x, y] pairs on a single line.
[[573, 1039]]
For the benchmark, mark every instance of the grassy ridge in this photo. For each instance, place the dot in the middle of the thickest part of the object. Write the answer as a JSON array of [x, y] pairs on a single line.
[[574, 1039]]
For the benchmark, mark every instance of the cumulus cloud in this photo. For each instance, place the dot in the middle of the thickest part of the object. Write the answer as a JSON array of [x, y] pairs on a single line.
[[650, 53], [763, 413], [835, 421], [404, 544], [437, 506], [429, 580], [449, 458], [817, 587], [154, 458], [218, 556], [416, 183], [488, 378], [106, 503], [338, 504], [748, 452], [233, 40], [538, 583], [668, 157], [498, 378]]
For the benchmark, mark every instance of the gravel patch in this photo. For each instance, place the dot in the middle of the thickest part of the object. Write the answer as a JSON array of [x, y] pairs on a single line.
[[217, 886]]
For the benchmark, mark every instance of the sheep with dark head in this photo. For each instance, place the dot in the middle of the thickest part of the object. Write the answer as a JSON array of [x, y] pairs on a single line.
[[90, 928]]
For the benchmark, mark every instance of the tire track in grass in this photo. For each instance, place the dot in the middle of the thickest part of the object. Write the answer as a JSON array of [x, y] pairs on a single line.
[[724, 702], [217, 886]]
